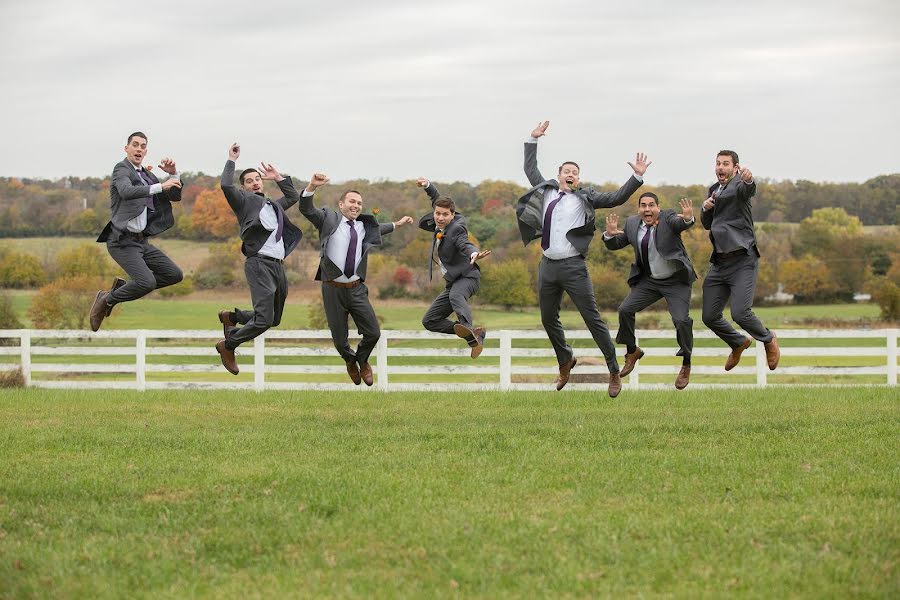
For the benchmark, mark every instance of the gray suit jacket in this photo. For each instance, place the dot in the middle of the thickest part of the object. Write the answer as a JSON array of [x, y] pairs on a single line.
[[530, 207], [730, 222], [127, 199], [455, 250], [326, 221], [246, 206], [668, 244]]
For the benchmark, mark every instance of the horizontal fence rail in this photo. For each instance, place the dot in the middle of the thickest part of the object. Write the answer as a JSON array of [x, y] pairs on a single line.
[[511, 360]]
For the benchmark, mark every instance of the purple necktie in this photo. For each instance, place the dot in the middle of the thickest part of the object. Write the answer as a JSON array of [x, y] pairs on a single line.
[[350, 265], [548, 220], [146, 179], [645, 252], [280, 214]]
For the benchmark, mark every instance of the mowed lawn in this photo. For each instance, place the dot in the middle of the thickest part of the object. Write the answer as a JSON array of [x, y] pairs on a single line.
[[764, 493]]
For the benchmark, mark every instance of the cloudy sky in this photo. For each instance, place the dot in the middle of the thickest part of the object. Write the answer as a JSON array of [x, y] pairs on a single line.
[[449, 90]]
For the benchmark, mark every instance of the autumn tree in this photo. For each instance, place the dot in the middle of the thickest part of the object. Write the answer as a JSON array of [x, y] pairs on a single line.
[[20, 270], [507, 283], [65, 303], [212, 217], [84, 259]]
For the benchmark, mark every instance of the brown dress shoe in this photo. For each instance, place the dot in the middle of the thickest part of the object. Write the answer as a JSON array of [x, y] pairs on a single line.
[[615, 385], [735, 357], [117, 283], [631, 361], [353, 372], [225, 320], [99, 310], [228, 359], [462, 331], [773, 352], [564, 371], [684, 377], [478, 345], [365, 371]]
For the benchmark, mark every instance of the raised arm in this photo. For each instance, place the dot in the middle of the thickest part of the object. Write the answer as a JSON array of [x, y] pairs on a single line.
[[531, 169], [233, 195], [746, 186], [613, 237], [315, 215], [683, 220], [284, 183], [621, 195], [430, 189]]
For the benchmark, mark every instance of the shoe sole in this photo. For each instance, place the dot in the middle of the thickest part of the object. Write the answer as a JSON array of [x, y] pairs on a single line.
[[622, 373], [574, 362], [96, 300]]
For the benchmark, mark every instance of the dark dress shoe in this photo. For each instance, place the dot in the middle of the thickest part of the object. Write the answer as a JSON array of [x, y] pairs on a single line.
[[564, 371], [684, 377], [99, 310], [735, 357], [365, 371], [773, 352], [228, 359], [631, 359], [478, 344], [353, 372], [615, 385], [117, 283], [225, 320]]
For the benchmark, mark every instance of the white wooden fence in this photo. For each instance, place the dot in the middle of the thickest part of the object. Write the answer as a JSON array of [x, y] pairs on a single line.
[[388, 361]]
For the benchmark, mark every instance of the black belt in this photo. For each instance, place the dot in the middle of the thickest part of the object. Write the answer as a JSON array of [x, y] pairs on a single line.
[[136, 235], [562, 259], [733, 254], [272, 258], [344, 284]]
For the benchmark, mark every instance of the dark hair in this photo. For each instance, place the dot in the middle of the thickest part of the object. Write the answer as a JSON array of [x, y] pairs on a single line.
[[569, 162], [139, 134], [649, 195], [344, 195], [245, 171], [732, 154], [445, 202]]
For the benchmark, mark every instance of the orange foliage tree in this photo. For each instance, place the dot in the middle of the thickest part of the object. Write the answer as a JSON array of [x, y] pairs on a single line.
[[212, 217]]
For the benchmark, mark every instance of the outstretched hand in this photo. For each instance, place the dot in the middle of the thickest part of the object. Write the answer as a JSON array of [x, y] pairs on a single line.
[[478, 256], [687, 210], [540, 130], [234, 152], [406, 220], [746, 175], [422, 182], [267, 171], [317, 180], [168, 165], [612, 225], [640, 164]]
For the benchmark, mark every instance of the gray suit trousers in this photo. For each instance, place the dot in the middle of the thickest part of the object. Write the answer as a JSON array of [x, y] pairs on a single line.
[[343, 302], [268, 292], [733, 278], [570, 275], [147, 266], [647, 291], [454, 299]]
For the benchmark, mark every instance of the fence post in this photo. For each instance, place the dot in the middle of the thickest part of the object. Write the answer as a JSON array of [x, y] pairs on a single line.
[[381, 364], [505, 360], [140, 356], [259, 363], [761, 364], [25, 347], [892, 356]]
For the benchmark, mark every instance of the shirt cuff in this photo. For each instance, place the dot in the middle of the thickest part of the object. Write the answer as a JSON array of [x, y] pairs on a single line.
[[156, 188], [306, 194], [638, 177], [531, 140], [691, 220]]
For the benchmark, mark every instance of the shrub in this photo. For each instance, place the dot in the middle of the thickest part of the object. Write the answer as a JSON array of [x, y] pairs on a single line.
[[508, 284], [182, 288], [84, 259], [20, 270], [65, 303]]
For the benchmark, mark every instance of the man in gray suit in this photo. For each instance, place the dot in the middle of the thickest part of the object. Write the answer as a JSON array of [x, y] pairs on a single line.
[[267, 237], [734, 261], [561, 214], [455, 256], [661, 269], [345, 238], [141, 208]]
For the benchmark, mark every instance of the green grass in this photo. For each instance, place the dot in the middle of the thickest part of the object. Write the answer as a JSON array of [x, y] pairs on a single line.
[[765, 494]]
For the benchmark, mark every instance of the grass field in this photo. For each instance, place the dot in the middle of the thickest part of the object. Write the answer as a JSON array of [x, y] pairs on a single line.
[[762, 494]]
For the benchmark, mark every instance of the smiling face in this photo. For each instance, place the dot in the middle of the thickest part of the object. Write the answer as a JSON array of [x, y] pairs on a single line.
[[136, 149], [251, 181], [350, 205], [568, 176], [648, 209]]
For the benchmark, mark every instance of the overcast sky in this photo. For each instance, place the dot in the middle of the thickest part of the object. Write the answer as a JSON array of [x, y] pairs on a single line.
[[450, 90]]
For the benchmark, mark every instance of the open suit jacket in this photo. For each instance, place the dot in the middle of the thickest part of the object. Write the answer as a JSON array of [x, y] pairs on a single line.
[[730, 221], [455, 249], [668, 244], [127, 197], [530, 207], [247, 205], [326, 221]]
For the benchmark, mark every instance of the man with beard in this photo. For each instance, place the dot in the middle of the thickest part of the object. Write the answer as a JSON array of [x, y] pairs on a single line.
[[734, 261]]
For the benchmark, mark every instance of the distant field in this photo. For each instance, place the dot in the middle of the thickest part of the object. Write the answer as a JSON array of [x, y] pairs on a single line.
[[782, 493]]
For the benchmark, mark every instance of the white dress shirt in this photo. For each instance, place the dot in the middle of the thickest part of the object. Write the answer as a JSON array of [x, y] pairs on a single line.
[[139, 223], [339, 243], [660, 268], [269, 219]]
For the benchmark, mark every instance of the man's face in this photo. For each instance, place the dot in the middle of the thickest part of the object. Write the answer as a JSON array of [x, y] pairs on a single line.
[[649, 210], [351, 205], [443, 216], [725, 168], [253, 183], [136, 150], [568, 177]]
